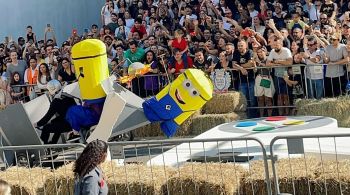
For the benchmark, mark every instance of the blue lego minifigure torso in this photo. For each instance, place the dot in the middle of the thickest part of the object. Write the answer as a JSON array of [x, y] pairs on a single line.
[[165, 111]]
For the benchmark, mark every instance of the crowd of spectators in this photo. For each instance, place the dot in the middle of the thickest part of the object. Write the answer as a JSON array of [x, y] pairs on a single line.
[[276, 51]]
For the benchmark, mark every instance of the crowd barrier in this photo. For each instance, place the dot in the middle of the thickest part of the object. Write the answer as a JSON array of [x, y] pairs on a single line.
[[179, 166], [312, 164], [303, 164], [27, 167]]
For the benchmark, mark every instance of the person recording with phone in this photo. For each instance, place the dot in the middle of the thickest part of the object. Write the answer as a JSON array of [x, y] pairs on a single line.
[[48, 30]]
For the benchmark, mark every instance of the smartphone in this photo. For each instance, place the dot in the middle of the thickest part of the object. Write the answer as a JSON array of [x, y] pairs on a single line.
[[86, 30], [48, 25], [74, 31]]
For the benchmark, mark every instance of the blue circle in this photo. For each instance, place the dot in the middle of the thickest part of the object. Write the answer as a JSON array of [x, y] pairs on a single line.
[[246, 124]]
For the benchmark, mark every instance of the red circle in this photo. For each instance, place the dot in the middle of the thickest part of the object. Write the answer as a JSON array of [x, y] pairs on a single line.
[[276, 118]]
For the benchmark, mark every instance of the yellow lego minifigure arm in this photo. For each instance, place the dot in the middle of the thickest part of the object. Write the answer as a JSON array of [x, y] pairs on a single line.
[[182, 117]]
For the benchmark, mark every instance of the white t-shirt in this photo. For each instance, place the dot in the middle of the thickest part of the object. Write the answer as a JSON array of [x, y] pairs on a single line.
[[253, 13], [336, 54], [129, 22], [313, 70], [284, 54]]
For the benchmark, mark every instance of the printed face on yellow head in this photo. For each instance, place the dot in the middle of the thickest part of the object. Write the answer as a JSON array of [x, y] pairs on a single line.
[[191, 90]]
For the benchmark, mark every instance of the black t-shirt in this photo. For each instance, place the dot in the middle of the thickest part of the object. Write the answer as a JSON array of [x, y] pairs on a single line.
[[240, 59], [203, 65], [327, 9], [30, 37], [219, 65], [65, 76]]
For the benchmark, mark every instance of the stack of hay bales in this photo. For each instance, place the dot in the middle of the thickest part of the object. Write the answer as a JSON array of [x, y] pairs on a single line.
[[294, 173], [222, 108], [128, 179], [337, 108], [205, 178], [26, 181]]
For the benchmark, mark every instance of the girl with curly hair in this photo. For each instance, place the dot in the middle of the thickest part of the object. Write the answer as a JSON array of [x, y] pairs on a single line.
[[89, 179]]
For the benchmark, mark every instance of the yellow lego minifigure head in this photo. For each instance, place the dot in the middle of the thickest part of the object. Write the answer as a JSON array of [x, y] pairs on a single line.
[[91, 67], [191, 90]]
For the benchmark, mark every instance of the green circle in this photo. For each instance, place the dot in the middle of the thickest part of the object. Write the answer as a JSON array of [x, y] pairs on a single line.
[[264, 128]]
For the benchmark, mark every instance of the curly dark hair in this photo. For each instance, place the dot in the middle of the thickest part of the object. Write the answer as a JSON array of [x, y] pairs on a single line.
[[93, 155]]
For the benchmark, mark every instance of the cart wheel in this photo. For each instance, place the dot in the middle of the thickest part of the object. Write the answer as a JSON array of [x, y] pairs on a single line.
[[22, 160], [129, 136]]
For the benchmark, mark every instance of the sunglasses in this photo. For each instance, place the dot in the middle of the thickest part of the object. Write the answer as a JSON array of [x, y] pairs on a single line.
[[323, 18], [311, 44]]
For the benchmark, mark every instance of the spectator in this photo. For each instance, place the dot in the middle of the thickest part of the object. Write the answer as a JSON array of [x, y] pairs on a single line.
[[314, 73], [139, 28], [223, 63], [297, 22], [31, 77], [181, 44], [329, 8], [151, 82], [43, 76], [31, 38], [264, 88], [66, 73], [243, 61], [122, 32], [89, 178], [94, 31], [178, 66], [129, 22], [336, 57], [5, 96], [15, 66], [314, 9], [201, 62], [17, 92], [106, 12], [134, 54], [52, 41], [5, 188], [113, 24], [280, 56]]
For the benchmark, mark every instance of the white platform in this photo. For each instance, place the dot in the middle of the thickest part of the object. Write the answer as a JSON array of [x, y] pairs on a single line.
[[313, 125]]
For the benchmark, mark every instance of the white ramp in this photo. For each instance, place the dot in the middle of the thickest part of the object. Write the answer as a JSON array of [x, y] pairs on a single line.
[[313, 125]]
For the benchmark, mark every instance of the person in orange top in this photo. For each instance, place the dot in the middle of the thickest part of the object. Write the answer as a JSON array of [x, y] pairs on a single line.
[[31, 75]]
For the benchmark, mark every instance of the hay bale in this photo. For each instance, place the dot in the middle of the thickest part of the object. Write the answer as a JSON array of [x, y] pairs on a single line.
[[129, 179], [333, 178], [226, 103], [204, 122], [26, 181], [205, 178], [290, 172], [61, 181], [138, 179], [337, 108]]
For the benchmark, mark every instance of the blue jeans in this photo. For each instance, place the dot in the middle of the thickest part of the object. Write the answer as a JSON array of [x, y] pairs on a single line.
[[315, 88], [248, 90]]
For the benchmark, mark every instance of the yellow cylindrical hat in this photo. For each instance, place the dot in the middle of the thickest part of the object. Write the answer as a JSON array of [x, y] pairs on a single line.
[[91, 67]]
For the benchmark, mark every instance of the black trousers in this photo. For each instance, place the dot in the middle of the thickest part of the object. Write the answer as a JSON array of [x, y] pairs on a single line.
[[57, 127], [334, 86]]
